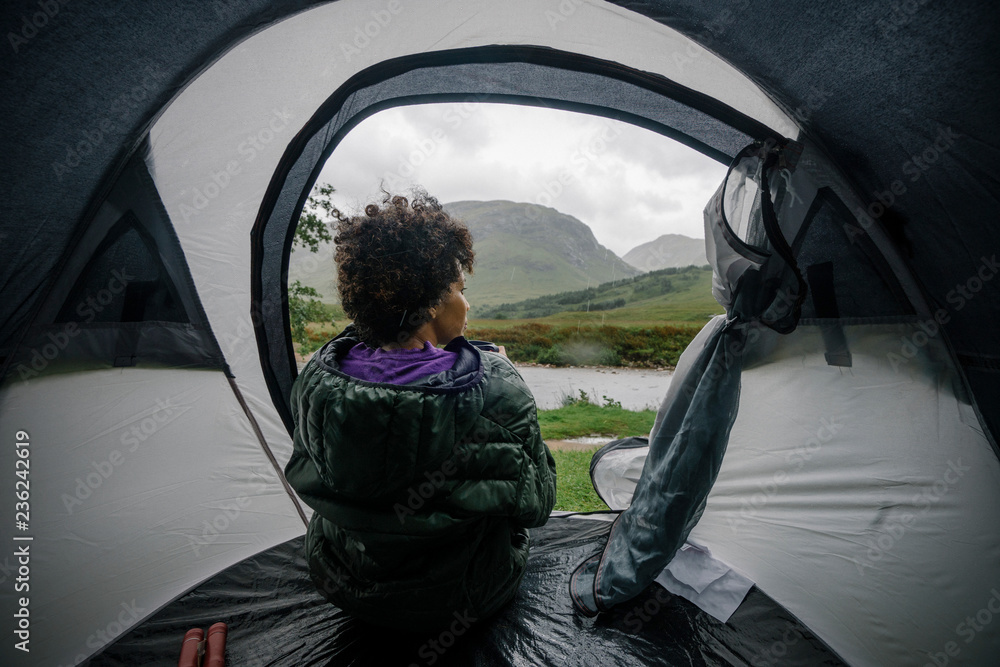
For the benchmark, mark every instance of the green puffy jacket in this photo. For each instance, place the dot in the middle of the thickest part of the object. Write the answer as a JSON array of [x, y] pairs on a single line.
[[422, 493]]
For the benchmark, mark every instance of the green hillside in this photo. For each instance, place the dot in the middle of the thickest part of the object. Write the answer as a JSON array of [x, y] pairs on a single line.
[[546, 289], [667, 296], [521, 249], [531, 250]]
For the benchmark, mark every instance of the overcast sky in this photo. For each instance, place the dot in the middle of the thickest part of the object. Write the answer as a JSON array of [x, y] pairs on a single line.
[[628, 184]]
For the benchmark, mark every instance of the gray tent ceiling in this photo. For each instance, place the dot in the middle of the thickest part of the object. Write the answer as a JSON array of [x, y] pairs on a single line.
[[878, 84]]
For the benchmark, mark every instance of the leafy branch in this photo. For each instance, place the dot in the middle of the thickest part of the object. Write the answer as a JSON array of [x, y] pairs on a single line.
[[315, 228]]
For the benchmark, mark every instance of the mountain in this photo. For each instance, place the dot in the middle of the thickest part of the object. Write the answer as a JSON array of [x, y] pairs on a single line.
[[669, 250], [527, 250], [522, 251]]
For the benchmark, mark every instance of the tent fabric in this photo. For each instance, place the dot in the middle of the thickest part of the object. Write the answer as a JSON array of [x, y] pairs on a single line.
[[211, 170], [138, 503], [276, 617], [207, 104], [754, 270], [884, 554], [125, 296]]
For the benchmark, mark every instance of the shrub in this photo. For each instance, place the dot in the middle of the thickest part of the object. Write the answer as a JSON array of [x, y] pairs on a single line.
[[553, 355], [606, 345], [611, 403]]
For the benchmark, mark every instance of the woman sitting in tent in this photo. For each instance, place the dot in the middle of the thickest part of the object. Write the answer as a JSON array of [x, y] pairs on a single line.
[[425, 466]]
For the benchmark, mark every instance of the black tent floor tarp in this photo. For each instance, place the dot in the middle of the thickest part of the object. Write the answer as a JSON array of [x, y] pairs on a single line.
[[276, 617]]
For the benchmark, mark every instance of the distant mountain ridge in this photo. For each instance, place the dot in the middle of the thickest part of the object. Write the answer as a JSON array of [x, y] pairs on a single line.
[[526, 250], [522, 251], [667, 251]]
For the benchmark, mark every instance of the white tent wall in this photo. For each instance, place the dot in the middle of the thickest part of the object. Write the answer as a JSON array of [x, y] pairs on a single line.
[[864, 499], [143, 484]]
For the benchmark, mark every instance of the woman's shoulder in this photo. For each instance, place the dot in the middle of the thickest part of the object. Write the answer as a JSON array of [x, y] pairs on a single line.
[[502, 371]]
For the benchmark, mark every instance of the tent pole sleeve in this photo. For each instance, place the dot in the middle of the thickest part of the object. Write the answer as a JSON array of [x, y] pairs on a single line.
[[267, 450]]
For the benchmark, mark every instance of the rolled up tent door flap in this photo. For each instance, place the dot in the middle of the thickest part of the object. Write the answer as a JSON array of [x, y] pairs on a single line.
[[687, 448]]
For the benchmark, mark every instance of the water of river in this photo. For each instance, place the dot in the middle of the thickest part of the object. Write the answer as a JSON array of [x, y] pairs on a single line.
[[636, 389]]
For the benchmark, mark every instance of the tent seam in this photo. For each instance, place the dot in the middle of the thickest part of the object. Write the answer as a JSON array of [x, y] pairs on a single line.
[[267, 450]]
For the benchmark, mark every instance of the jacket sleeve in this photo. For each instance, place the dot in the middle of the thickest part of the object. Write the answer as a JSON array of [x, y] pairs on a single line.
[[536, 485]]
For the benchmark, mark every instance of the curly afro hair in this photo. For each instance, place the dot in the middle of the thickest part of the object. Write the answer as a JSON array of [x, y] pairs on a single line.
[[397, 262]]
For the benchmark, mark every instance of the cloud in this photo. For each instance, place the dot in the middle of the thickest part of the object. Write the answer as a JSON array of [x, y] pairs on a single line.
[[630, 185]]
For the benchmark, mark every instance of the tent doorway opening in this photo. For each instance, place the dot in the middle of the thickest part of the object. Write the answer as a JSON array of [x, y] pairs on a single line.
[[555, 200]]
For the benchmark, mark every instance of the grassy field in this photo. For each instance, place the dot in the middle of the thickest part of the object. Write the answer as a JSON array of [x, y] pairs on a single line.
[[688, 301], [574, 490], [586, 419]]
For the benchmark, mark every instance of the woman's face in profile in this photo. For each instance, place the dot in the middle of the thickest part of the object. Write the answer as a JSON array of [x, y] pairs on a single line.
[[451, 315]]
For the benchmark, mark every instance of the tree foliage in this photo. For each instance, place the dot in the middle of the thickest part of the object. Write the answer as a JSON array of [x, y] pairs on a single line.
[[303, 308], [316, 222], [315, 228]]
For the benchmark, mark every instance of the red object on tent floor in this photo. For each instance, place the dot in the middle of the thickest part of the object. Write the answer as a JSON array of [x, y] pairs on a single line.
[[215, 652], [190, 649]]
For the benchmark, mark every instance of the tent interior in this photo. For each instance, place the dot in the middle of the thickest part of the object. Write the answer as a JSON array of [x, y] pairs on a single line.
[[159, 156]]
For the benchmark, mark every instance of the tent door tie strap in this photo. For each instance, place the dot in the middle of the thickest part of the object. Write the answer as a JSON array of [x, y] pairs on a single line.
[[825, 300]]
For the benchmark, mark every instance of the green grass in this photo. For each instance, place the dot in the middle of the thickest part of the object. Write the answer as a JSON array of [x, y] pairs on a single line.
[[583, 419], [574, 490], [688, 301]]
